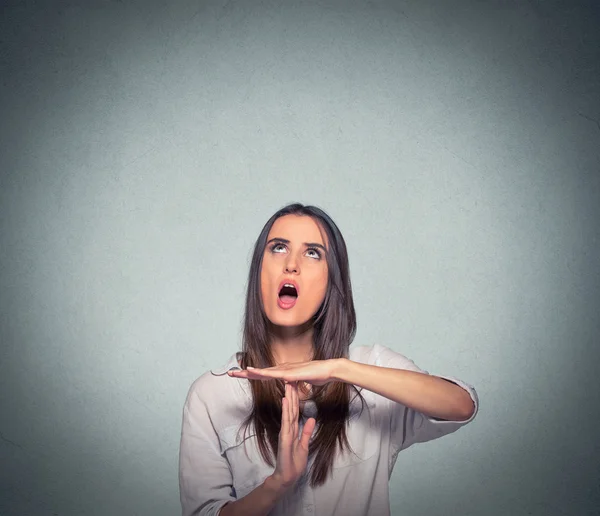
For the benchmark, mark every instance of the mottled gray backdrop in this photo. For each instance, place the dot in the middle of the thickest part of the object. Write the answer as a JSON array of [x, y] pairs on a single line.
[[144, 144]]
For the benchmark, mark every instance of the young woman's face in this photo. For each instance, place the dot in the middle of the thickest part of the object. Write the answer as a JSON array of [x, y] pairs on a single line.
[[295, 254]]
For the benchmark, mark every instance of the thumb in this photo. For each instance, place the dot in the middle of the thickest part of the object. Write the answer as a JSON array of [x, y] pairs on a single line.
[[307, 431]]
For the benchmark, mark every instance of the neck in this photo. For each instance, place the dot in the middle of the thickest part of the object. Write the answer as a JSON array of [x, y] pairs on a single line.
[[292, 343]]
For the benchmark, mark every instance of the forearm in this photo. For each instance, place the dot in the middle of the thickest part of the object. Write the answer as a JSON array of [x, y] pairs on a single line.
[[424, 393], [256, 503]]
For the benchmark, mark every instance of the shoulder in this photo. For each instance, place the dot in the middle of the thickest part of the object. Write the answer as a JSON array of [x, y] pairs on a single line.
[[215, 384], [381, 356], [360, 354], [217, 391], [206, 386]]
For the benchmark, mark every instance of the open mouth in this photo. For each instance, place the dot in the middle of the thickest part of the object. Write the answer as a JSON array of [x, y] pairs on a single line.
[[288, 294]]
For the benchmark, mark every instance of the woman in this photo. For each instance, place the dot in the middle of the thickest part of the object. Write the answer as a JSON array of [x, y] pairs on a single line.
[[298, 423]]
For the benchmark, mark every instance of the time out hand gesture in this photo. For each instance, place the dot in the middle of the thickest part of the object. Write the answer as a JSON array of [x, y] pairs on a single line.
[[314, 372], [292, 453]]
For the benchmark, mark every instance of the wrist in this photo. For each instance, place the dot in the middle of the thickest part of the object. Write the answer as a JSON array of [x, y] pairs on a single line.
[[274, 488], [341, 369]]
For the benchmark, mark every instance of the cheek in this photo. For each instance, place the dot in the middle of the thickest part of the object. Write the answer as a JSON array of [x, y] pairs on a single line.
[[322, 289], [264, 288]]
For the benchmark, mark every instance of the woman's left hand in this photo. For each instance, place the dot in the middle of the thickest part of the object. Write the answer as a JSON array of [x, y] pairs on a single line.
[[314, 372]]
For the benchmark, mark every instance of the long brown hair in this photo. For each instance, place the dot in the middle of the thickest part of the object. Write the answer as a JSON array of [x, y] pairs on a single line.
[[334, 327]]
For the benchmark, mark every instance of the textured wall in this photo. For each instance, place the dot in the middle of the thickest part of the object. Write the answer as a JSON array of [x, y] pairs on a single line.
[[142, 147]]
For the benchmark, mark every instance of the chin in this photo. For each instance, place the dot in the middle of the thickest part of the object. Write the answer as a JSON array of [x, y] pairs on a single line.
[[289, 322]]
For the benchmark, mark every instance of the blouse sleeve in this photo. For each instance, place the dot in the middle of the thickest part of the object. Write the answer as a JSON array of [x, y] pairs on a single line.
[[205, 481], [407, 426]]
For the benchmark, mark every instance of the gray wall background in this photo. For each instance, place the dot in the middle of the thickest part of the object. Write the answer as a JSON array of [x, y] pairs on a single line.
[[144, 144]]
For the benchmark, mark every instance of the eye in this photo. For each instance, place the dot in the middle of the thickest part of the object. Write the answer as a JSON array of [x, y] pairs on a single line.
[[316, 254], [277, 248]]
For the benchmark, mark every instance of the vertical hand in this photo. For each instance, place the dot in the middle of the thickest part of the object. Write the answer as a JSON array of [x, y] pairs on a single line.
[[292, 454]]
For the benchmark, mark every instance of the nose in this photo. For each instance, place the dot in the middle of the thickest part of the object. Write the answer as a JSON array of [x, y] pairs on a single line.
[[291, 265]]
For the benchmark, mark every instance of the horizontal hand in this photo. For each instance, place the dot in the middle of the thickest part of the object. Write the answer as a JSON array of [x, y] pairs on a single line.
[[424, 393], [314, 372]]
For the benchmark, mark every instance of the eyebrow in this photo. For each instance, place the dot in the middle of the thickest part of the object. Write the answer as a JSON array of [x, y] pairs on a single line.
[[306, 244]]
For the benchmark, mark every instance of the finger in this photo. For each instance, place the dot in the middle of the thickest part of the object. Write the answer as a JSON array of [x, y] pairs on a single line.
[[249, 375], [307, 431], [272, 372], [290, 396], [294, 409], [285, 413], [296, 402], [262, 372], [242, 374]]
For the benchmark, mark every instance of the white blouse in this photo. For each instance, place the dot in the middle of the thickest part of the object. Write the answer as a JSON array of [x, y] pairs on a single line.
[[216, 466]]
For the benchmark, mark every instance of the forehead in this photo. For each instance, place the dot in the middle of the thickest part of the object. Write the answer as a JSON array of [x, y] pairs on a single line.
[[297, 229]]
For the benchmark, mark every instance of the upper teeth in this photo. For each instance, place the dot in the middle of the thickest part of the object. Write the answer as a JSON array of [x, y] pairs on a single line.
[[289, 285]]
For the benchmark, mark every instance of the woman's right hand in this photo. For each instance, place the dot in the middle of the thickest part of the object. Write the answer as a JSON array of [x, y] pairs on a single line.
[[292, 453], [292, 458]]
